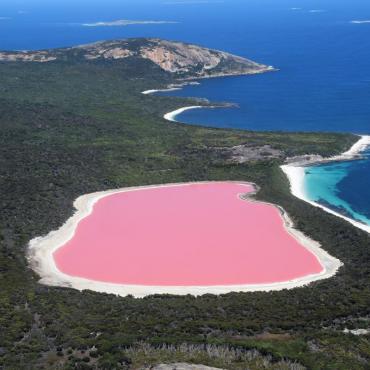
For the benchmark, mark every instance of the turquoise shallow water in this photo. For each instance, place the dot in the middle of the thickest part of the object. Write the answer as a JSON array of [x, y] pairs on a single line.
[[328, 184]]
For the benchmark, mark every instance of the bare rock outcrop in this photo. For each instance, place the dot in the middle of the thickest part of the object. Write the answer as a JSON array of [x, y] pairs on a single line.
[[183, 60]]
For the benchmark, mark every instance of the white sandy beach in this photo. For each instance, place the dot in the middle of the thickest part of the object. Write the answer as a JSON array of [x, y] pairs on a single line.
[[148, 92], [171, 87], [296, 172], [41, 249], [171, 116]]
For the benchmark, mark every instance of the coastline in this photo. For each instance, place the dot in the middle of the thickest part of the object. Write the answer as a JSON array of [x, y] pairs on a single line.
[[149, 92], [194, 80], [171, 87], [295, 171], [171, 116], [265, 69], [41, 249]]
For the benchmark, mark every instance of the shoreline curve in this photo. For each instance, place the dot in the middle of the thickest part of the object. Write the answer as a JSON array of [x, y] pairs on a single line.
[[41, 249], [171, 116], [295, 172]]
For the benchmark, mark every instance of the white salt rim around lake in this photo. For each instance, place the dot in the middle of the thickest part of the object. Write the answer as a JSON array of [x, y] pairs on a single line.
[[41, 249]]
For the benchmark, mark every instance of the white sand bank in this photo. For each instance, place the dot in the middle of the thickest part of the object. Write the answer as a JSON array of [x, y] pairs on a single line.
[[148, 92], [41, 249], [171, 87], [171, 116], [296, 172]]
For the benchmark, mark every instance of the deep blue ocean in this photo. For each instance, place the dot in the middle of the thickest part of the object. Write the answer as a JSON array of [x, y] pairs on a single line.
[[323, 57]]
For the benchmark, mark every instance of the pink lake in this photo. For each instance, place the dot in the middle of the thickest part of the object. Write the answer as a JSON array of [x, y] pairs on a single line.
[[185, 235]]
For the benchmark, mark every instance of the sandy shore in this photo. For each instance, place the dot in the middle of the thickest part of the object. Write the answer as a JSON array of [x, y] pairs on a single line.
[[171, 87], [148, 92], [194, 80], [295, 172], [41, 249], [171, 116]]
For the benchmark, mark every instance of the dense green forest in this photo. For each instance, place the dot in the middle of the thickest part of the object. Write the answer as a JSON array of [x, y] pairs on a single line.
[[73, 128]]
